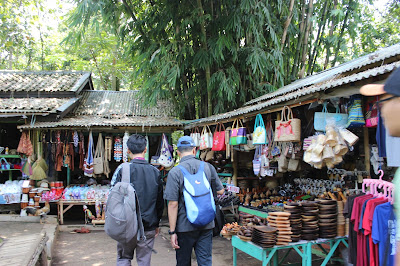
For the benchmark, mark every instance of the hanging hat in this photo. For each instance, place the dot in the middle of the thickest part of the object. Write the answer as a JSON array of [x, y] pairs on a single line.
[[44, 186], [38, 173], [42, 163]]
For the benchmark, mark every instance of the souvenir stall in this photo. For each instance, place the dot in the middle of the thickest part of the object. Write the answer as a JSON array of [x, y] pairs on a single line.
[[79, 153], [300, 160]]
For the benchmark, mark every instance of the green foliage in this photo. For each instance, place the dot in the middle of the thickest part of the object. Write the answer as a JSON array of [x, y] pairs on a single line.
[[196, 53]]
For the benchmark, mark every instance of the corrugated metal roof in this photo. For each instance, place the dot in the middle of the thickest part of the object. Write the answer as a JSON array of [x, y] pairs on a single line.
[[332, 73], [93, 121], [31, 105], [299, 93], [119, 104], [42, 81]]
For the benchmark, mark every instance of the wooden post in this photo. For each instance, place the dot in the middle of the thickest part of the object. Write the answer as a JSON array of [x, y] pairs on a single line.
[[367, 151], [68, 176], [235, 167]]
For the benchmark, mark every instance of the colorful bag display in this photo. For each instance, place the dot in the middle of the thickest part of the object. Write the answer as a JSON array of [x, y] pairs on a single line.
[[166, 158], [195, 135], [238, 133], [288, 128], [371, 117], [324, 117], [356, 117], [219, 138], [260, 133], [88, 164], [257, 161], [98, 160], [206, 139]]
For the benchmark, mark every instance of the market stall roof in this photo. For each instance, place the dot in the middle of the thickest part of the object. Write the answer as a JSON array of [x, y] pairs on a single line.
[[333, 73], [42, 93], [311, 88], [42, 106], [42, 82], [114, 109]]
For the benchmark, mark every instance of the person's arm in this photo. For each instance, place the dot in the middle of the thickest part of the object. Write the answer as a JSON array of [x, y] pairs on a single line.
[[172, 194], [215, 178], [172, 217], [159, 202]]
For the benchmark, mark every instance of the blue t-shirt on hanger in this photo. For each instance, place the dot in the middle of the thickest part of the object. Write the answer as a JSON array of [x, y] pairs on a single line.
[[384, 223]]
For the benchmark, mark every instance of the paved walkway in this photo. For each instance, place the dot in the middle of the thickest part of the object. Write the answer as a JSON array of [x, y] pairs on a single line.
[[96, 248], [20, 242]]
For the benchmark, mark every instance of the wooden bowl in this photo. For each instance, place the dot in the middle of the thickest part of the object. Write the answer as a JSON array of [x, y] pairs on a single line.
[[24, 205], [25, 190]]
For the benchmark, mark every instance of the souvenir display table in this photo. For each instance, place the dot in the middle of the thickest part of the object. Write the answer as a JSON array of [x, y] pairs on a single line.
[[70, 204], [303, 248]]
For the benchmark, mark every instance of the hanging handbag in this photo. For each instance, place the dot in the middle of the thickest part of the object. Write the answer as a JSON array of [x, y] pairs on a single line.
[[356, 117], [195, 135], [293, 165], [282, 163], [260, 133], [249, 146], [257, 161], [219, 138], [165, 159], [88, 164], [371, 117], [238, 133], [322, 118], [98, 160], [288, 128], [206, 140]]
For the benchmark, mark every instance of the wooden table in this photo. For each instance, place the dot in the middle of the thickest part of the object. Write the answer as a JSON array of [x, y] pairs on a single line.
[[303, 248], [61, 204]]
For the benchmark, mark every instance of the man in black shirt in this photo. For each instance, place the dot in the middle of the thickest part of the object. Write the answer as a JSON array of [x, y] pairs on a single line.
[[148, 185]]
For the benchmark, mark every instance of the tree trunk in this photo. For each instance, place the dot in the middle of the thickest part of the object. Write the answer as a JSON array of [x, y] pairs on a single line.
[[114, 71], [328, 45], [103, 84], [321, 27], [295, 68], [306, 36], [287, 23], [204, 45], [10, 58], [349, 10]]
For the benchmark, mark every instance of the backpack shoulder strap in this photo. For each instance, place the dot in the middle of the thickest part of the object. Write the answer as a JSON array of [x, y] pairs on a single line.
[[186, 172], [126, 175]]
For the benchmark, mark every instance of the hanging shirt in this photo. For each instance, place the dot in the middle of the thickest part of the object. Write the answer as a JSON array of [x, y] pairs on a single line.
[[381, 137], [355, 218], [396, 183], [392, 150], [367, 226], [352, 239], [384, 233]]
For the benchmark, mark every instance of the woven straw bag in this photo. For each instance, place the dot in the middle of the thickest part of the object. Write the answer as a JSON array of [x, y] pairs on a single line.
[[288, 128]]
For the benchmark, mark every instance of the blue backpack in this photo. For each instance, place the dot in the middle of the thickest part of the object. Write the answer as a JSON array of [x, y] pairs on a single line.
[[199, 200]]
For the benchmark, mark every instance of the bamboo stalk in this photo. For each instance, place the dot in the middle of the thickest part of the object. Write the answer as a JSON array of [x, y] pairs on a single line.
[[333, 25], [306, 36]]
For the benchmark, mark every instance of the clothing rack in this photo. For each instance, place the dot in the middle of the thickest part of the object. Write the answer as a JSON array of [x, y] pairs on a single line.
[[374, 184]]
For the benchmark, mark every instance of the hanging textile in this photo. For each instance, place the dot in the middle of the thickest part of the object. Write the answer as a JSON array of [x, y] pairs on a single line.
[[117, 149], [98, 160], [146, 156], [108, 148], [88, 164], [81, 151], [125, 147], [59, 152], [25, 144]]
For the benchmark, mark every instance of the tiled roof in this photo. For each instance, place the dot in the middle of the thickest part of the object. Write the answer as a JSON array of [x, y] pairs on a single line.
[[98, 121], [119, 104], [297, 94], [42, 81], [31, 105], [332, 73]]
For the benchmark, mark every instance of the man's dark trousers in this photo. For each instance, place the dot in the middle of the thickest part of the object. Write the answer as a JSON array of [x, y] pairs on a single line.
[[201, 241]]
